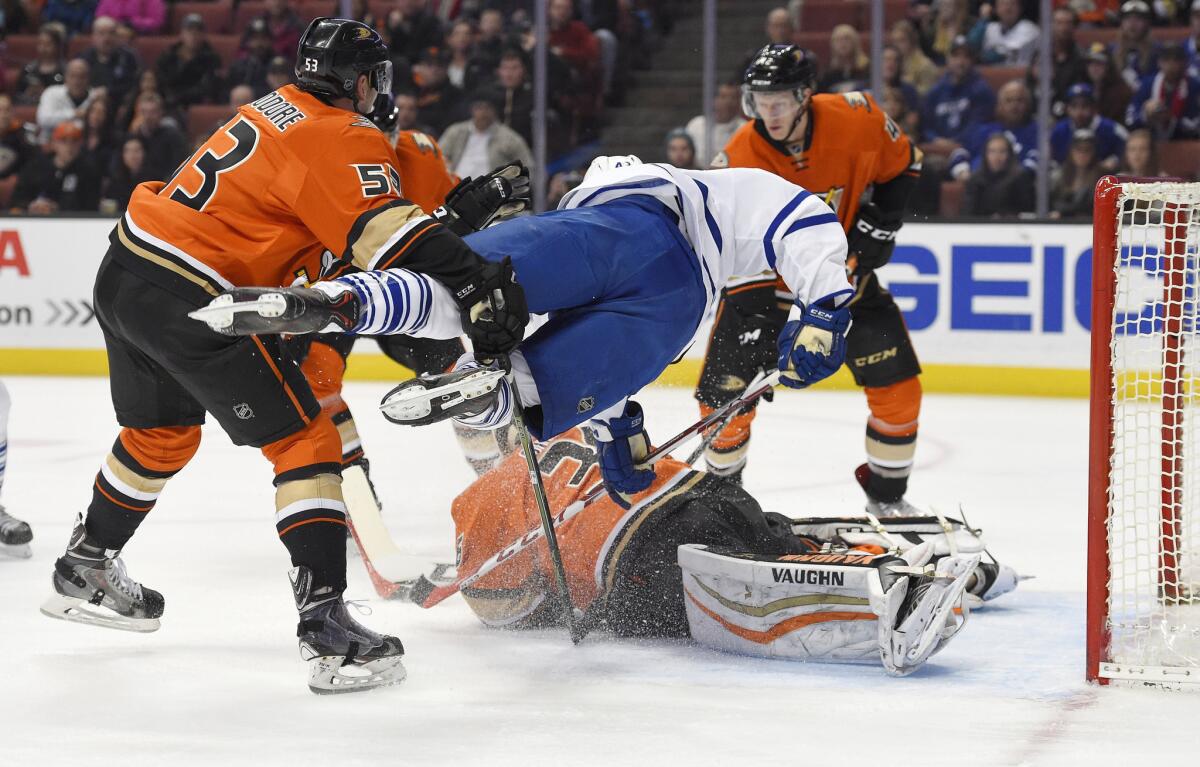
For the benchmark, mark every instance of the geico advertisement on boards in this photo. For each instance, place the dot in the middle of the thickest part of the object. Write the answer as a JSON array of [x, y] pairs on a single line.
[[1010, 295], [985, 294]]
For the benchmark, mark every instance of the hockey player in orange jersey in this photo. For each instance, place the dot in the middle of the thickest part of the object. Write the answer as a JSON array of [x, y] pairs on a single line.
[[298, 182], [840, 147], [623, 565]]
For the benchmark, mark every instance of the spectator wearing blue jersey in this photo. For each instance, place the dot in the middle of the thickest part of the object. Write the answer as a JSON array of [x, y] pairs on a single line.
[[1108, 137], [958, 103], [1135, 52], [1014, 120], [1168, 101]]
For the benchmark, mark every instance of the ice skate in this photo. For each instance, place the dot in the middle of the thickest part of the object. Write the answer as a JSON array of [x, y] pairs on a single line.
[[990, 580], [896, 507], [15, 536], [467, 392], [250, 311], [343, 655], [91, 586], [918, 618]]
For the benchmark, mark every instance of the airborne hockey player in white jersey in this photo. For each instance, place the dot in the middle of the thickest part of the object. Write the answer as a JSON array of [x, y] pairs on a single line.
[[15, 535], [626, 270]]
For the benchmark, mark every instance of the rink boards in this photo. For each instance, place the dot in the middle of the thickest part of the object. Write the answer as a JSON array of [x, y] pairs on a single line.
[[993, 308]]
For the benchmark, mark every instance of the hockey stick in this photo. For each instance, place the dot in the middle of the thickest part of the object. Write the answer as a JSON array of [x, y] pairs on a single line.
[[427, 594], [391, 571], [570, 613], [714, 432]]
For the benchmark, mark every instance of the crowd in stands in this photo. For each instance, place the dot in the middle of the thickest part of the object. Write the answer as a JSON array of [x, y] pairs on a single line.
[[960, 78], [100, 96]]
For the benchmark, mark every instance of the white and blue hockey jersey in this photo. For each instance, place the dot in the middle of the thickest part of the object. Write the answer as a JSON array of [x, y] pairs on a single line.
[[740, 221]]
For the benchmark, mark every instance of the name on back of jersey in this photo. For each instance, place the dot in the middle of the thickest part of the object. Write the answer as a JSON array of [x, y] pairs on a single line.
[[280, 112]]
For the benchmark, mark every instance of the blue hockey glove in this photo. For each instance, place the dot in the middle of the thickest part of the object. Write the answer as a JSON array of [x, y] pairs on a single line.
[[621, 444], [812, 344]]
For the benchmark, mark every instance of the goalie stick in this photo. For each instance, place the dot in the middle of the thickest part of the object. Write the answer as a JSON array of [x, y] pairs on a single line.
[[427, 593]]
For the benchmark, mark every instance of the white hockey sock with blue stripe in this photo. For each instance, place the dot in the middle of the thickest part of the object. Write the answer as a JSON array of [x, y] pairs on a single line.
[[400, 302]]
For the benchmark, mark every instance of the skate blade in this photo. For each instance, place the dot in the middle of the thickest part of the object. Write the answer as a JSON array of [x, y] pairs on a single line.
[[75, 610], [221, 310], [411, 403], [931, 620], [15, 550], [328, 676]]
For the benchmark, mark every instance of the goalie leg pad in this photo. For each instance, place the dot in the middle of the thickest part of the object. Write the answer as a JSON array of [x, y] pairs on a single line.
[[842, 606], [796, 606], [916, 607]]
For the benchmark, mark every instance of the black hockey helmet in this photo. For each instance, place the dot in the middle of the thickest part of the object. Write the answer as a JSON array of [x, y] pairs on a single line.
[[778, 67], [334, 52]]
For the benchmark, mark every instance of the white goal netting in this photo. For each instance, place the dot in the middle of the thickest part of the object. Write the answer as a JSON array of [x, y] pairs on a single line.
[[1154, 475]]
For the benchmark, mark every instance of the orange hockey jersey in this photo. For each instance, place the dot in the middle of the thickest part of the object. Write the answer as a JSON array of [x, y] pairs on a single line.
[[424, 177], [499, 508], [849, 145], [285, 189]]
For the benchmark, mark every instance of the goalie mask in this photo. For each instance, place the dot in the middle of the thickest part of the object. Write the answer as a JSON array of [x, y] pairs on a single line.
[[776, 72]]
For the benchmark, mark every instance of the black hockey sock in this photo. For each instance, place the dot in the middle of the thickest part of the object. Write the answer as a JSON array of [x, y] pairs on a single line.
[[879, 487], [311, 520], [123, 493]]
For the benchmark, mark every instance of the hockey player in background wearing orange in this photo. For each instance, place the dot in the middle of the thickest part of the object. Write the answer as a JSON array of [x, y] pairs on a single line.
[[623, 564], [296, 185], [839, 146]]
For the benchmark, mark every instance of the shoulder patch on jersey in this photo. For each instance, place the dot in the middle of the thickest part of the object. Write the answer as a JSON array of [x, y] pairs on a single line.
[[857, 99], [720, 161], [423, 141]]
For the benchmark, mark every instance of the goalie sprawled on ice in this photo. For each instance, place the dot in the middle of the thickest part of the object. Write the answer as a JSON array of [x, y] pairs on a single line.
[[851, 589]]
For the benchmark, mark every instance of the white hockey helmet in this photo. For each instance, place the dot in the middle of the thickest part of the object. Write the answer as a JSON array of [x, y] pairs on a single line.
[[610, 162]]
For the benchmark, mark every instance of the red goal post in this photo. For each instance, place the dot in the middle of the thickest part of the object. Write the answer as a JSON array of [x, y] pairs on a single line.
[[1143, 611]]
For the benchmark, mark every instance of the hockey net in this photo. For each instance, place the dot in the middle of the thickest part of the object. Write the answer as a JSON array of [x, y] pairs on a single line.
[[1144, 499]]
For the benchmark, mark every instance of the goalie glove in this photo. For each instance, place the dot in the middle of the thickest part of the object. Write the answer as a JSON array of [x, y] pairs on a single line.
[[331, 308], [812, 344], [872, 239], [621, 444], [476, 203], [494, 310]]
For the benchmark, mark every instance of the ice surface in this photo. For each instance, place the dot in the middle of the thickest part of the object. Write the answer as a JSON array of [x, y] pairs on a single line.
[[221, 684]]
